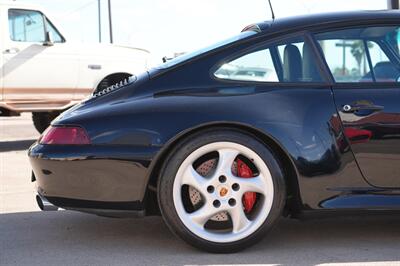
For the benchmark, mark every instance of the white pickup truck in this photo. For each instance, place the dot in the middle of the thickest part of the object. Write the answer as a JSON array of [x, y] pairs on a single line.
[[42, 72]]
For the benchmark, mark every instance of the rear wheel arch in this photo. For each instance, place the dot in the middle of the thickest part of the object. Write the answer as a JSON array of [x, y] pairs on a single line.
[[293, 205]]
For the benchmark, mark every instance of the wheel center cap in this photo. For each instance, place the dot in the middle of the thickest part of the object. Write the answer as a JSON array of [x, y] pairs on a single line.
[[223, 191]]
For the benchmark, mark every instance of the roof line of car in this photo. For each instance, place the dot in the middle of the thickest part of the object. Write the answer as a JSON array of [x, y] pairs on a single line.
[[277, 27]]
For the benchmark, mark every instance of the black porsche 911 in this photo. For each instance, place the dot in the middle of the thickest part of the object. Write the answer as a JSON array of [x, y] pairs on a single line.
[[291, 116]]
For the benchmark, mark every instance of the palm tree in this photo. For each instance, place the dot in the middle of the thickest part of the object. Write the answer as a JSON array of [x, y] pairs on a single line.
[[358, 51]]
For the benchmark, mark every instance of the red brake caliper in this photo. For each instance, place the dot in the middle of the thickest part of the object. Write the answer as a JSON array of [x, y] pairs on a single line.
[[249, 198]]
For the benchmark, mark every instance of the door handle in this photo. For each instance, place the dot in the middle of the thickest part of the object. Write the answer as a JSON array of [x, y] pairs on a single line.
[[11, 51], [356, 108]]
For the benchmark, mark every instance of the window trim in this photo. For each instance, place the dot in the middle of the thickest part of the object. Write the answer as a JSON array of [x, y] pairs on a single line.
[[277, 62], [353, 85], [266, 43], [47, 20], [369, 59]]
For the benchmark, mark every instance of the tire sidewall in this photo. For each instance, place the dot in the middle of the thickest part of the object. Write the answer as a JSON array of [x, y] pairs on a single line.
[[42, 120]]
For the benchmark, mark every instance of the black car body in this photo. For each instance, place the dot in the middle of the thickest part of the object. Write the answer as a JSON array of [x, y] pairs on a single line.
[[338, 141]]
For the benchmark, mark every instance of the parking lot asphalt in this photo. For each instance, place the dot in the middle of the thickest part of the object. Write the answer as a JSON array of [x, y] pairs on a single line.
[[31, 237]]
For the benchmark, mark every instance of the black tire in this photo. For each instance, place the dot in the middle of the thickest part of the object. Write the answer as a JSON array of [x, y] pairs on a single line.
[[184, 149], [42, 120]]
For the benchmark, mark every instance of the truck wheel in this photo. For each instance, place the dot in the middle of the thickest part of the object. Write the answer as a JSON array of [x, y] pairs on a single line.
[[41, 120]]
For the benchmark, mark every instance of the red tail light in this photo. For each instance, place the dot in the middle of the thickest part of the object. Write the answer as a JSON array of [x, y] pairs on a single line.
[[65, 136]]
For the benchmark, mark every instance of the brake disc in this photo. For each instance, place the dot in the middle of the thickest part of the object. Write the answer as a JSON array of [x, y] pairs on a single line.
[[205, 169]]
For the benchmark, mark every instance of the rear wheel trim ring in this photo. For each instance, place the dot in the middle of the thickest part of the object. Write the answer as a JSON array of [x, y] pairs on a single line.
[[242, 227]]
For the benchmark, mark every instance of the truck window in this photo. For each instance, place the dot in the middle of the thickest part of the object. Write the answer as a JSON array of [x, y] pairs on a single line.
[[26, 25]]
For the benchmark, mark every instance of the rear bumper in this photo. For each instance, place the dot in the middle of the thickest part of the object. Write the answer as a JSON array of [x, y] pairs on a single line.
[[95, 178]]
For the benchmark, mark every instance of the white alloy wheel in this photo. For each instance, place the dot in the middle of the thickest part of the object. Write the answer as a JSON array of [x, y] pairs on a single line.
[[222, 192]]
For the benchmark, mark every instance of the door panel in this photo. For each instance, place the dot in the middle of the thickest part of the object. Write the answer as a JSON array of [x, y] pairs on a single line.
[[37, 72], [374, 133], [364, 63]]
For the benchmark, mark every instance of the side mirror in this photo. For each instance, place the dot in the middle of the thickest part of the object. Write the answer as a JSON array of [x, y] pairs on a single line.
[[49, 39]]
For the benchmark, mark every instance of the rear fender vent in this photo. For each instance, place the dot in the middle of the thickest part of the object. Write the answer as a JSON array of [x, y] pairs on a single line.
[[114, 87]]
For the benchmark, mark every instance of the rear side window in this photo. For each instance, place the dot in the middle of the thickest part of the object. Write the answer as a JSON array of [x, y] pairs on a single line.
[[26, 25], [256, 66], [287, 61], [369, 54]]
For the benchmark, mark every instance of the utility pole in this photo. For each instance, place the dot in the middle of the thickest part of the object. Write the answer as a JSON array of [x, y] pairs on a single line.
[[99, 15], [393, 4], [110, 21], [344, 45]]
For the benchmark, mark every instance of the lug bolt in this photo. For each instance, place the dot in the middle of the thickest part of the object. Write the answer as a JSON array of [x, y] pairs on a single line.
[[235, 187], [216, 203], [210, 189], [222, 179], [232, 202]]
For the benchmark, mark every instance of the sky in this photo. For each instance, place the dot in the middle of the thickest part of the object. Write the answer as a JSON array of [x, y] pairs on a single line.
[[165, 27]]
